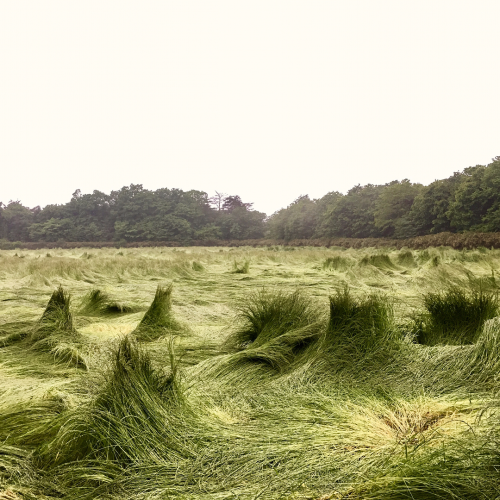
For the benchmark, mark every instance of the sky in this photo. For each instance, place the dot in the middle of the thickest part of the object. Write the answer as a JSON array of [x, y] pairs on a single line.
[[265, 99]]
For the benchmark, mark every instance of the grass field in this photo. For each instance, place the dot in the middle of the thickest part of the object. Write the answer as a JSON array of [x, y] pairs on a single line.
[[249, 373]]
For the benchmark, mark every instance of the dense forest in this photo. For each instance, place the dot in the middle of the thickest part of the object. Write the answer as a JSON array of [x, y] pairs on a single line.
[[466, 201]]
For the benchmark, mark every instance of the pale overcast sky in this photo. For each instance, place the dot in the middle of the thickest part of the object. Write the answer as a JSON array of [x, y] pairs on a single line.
[[265, 99]]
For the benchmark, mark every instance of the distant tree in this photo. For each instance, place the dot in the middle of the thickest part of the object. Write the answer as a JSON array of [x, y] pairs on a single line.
[[3, 223], [232, 202], [476, 205], [429, 212], [353, 215], [325, 206], [217, 200], [16, 220], [297, 221], [393, 206]]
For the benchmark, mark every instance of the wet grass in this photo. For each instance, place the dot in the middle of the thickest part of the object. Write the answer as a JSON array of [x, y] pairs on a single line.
[[316, 374]]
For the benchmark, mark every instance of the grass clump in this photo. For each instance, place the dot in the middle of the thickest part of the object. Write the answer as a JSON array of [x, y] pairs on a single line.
[[456, 316], [241, 267], [97, 303], [381, 261], [55, 333], [56, 319], [406, 258], [197, 266], [359, 322], [337, 263], [276, 328], [269, 314], [158, 320], [133, 418]]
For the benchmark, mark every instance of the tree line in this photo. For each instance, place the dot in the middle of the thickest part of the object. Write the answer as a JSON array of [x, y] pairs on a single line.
[[134, 214], [466, 201]]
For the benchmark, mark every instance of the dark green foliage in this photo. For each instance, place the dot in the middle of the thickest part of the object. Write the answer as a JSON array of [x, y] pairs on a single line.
[[353, 215], [456, 316], [393, 207], [158, 320], [298, 220], [97, 303]]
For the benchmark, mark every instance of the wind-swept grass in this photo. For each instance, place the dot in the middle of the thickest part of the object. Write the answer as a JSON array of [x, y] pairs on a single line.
[[456, 316], [382, 261], [266, 315], [241, 267], [318, 392], [56, 319], [136, 416], [97, 303], [337, 263], [159, 319]]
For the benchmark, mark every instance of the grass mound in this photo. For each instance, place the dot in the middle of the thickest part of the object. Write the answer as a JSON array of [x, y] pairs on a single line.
[[241, 267], [55, 333], [356, 315], [361, 338], [406, 258], [337, 263], [456, 316], [381, 261], [197, 266], [275, 328], [97, 303], [134, 417], [269, 314], [158, 320], [56, 319]]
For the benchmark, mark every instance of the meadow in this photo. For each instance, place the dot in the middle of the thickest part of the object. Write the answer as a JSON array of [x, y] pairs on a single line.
[[249, 373]]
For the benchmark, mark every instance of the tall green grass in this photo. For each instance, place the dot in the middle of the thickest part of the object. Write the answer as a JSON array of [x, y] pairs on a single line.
[[97, 303], [159, 319], [456, 316]]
